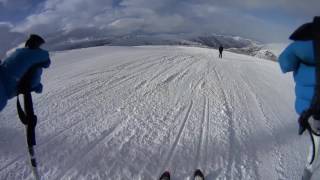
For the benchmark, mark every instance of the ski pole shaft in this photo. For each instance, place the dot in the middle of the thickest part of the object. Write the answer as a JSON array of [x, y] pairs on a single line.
[[33, 160], [30, 131]]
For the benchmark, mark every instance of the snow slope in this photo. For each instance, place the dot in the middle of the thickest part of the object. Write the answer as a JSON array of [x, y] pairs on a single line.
[[133, 112]]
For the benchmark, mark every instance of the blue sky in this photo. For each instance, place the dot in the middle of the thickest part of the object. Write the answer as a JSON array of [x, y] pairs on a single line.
[[267, 21]]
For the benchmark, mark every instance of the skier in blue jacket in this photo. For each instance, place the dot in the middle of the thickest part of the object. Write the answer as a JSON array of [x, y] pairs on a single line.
[[14, 67], [301, 57]]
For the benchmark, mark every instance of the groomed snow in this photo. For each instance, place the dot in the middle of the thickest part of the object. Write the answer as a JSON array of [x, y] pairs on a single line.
[[130, 113]]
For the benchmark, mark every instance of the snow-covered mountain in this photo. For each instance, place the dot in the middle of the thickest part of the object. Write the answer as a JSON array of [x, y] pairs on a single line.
[[232, 43], [125, 40], [227, 42], [74, 40], [275, 48], [130, 113], [256, 51]]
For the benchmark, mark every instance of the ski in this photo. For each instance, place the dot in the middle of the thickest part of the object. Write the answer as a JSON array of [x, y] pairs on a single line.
[[307, 174], [198, 175], [165, 176]]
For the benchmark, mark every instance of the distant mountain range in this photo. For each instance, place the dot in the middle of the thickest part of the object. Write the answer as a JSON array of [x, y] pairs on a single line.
[[236, 44], [230, 43]]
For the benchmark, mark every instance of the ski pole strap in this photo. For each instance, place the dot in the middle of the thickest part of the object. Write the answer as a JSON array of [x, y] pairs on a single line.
[[27, 116], [305, 125], [303, 121], [313, 147]]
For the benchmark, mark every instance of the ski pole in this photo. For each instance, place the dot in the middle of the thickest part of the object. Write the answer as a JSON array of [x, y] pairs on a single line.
[[31, 121], [28, 118]]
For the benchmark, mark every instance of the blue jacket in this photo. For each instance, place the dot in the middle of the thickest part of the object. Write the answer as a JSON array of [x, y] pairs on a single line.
[[299, 58], [15, 66]]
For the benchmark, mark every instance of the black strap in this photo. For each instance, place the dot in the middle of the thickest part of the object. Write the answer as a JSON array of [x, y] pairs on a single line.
[[313, 147], [27, 116]]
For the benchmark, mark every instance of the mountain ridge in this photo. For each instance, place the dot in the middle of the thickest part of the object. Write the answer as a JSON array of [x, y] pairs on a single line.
[[231, 43]]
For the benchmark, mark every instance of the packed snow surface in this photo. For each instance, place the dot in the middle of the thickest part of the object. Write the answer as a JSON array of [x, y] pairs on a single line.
[[131, 113]]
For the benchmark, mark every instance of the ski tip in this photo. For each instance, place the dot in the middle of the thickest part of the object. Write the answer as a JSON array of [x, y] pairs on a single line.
[[307, 174], [198, 173], [165, 176]]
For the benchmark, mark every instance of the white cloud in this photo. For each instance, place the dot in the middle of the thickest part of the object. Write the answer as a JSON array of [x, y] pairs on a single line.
[[161, 16], [8, 38], [16, 4], [6, 25], [294, 7], [3, 1], [64, 15]]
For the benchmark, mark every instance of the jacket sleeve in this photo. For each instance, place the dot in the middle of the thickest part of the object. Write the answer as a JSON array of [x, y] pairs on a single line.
[[36, 78], [47, 63], [44, 60], [288, 59]]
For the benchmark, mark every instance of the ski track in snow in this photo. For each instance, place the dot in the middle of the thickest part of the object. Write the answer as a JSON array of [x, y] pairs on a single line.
[[134, 112]]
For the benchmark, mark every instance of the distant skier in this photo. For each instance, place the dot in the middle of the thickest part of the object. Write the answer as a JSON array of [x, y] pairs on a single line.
[[220, 51], [301, 58], [14, 67]]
